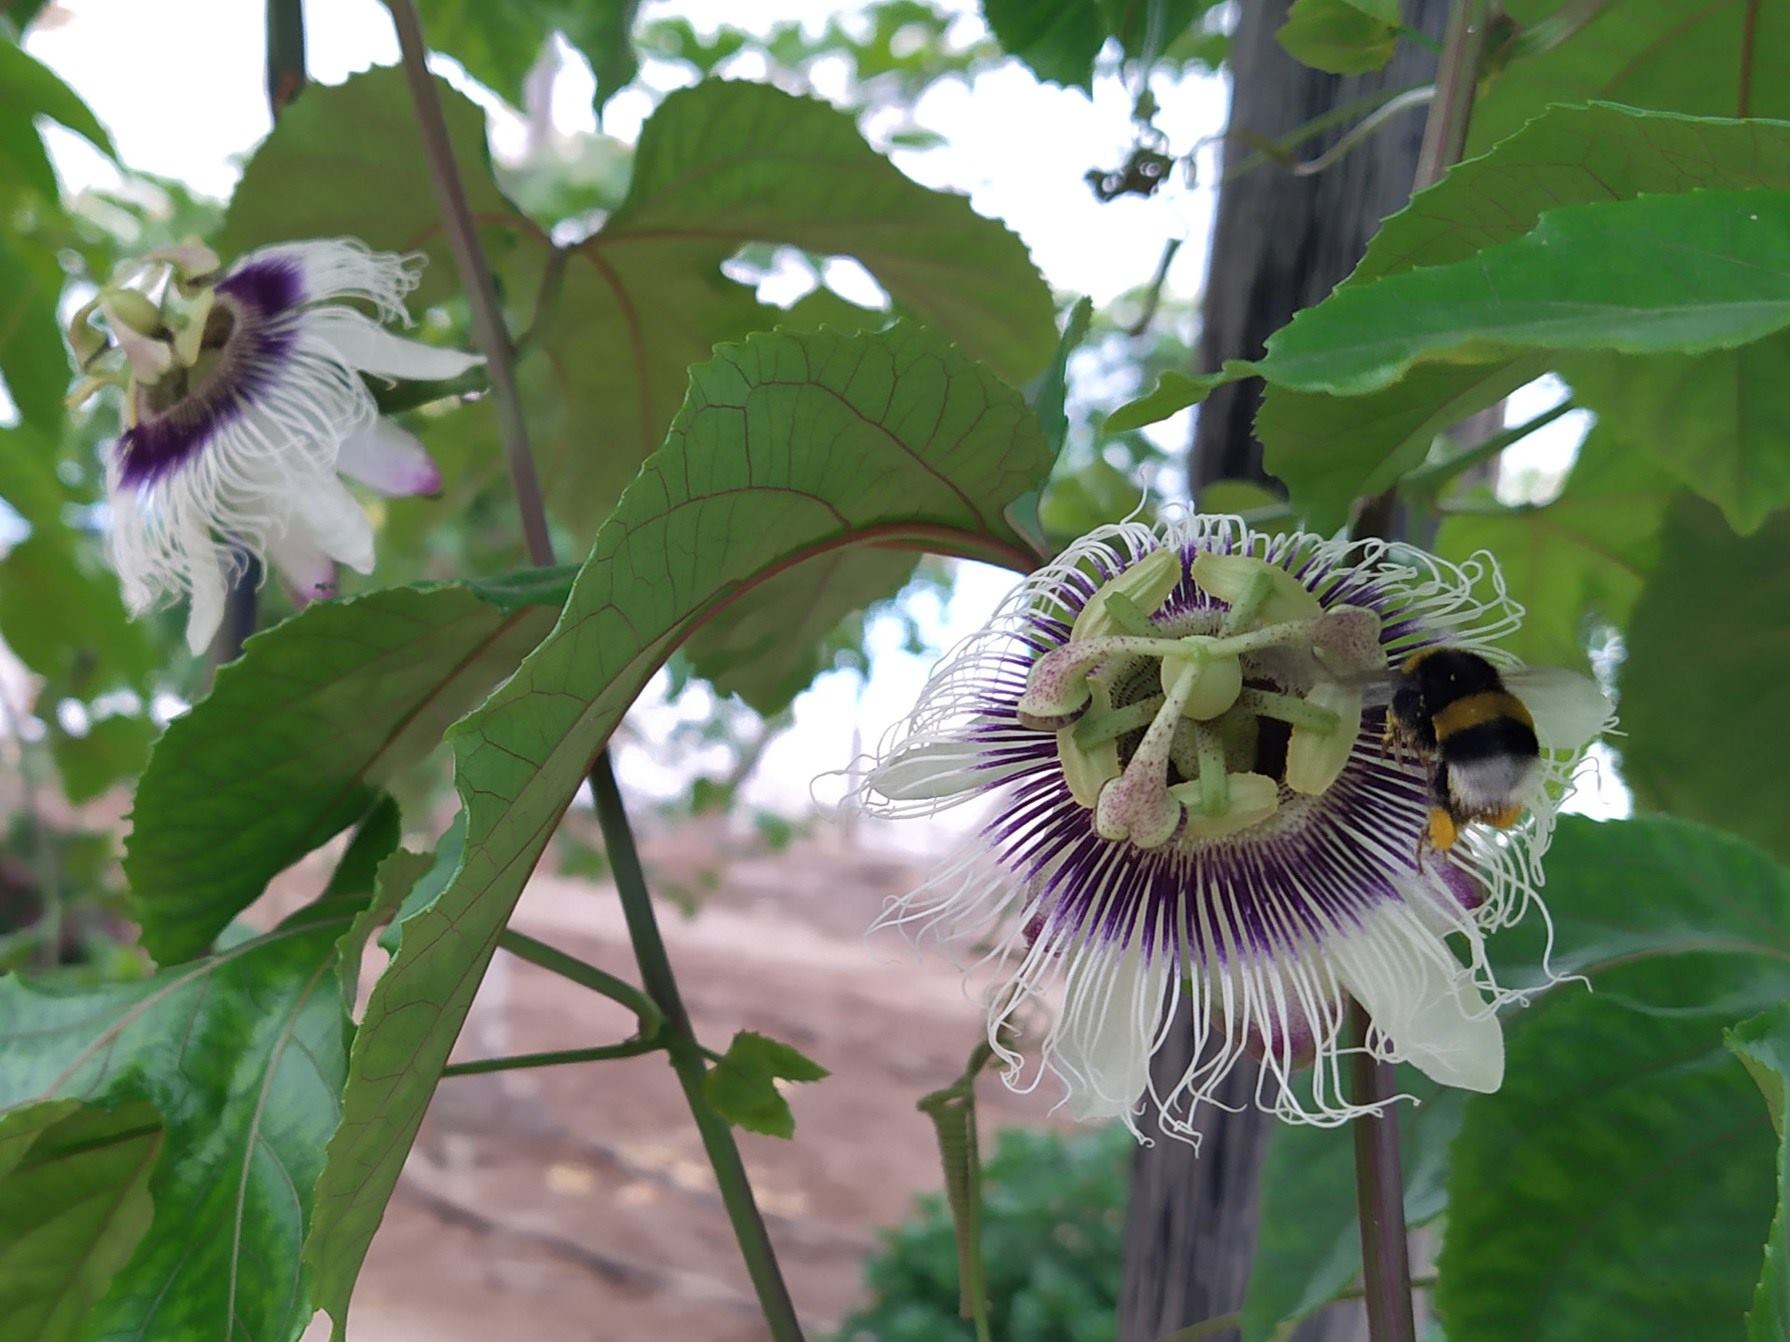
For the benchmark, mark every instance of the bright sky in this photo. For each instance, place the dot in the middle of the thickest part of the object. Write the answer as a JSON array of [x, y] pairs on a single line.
[[1018, 148]]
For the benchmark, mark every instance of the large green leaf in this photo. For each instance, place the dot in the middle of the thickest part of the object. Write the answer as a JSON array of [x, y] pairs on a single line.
[[499, 43], [1308, 1245], [296, 737], [1618, 1185], [1654, 275], [29, 88], [74, 1202], [1626, 899], [243, 1055], [1706, 57], [1763, 1045], [721, 165], [1704, 696], [1343, 37], [1058, 39], [789, 446], [32, 361], [1719, 423], [60, 610], [1581, 558], [319, 174], [1330, 449], [770, 643]]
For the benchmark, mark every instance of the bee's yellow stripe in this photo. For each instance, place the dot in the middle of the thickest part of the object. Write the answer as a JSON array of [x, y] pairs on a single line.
[[1474, 709]]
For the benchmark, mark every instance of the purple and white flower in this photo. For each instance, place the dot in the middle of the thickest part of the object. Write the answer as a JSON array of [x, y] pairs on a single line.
[[244, 403], [1198, 803]]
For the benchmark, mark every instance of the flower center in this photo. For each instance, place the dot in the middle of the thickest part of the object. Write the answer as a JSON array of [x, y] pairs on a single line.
[[1193, 725]]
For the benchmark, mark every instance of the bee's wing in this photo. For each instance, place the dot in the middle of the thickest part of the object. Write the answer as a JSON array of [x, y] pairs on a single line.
[[1569, 710]]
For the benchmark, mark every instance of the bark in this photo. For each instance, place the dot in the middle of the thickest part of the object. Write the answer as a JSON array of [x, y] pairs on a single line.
[[1281, 243]]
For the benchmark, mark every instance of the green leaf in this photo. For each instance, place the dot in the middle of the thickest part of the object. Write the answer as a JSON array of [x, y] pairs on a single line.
[[790, 446], [1173, 393], [1704, 696], [721, 165], [31, 355], [1719, 423], [296, 737], [1573, 155], [74, 1203], [742, 1088], [243, 1054], [498, 44], [1705, 57], [110, 751], [29, 88], [60, 610], [768, 645], [1622, 1120], [319, 174], [1626, 895], [1763, 1046], [1654, 275], [1236, 496], [1308, 1248], [1580, 559], [1617, 1186], [1331, 449], [1057, 39], [1050, 395], [718, 166], [1342, 37]]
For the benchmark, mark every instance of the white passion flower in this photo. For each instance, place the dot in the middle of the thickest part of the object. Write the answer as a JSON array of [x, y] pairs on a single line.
[[1199, 801], [243, 403]]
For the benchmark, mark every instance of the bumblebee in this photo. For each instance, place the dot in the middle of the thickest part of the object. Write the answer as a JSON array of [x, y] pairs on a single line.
[[1454, 709]]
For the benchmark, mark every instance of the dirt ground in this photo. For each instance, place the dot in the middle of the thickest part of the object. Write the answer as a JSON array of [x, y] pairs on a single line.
[[575, 1203]]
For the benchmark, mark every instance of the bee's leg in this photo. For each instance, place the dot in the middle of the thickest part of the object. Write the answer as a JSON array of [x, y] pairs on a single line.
[[1442, 831], [1505, 817]]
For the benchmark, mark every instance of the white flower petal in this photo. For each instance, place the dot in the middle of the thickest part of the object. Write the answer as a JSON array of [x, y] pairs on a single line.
[[206, 613], [1423, 1000], [366, 345], [308, 572], [1110, 1028], [385, 457], [1569, 710], [328, 512]]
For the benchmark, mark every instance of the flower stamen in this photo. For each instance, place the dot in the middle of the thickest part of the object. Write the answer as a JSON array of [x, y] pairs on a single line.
[[1137, 805]]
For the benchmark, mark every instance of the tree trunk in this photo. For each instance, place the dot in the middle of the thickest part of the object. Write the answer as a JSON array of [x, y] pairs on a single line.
[[1282, 242]]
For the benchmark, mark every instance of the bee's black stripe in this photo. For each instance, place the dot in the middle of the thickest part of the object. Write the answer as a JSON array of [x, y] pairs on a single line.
[[1499, 738]]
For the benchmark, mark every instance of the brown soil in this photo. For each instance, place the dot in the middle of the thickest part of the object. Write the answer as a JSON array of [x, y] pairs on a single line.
[[575, 1202]]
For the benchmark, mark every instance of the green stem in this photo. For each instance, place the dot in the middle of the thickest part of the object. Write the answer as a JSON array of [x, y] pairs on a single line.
[[1380, 1196], [1429, 482], [1457, 79], [628, 1048], [556, 961], [285, 53], [687, 1058], [475, 277]]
